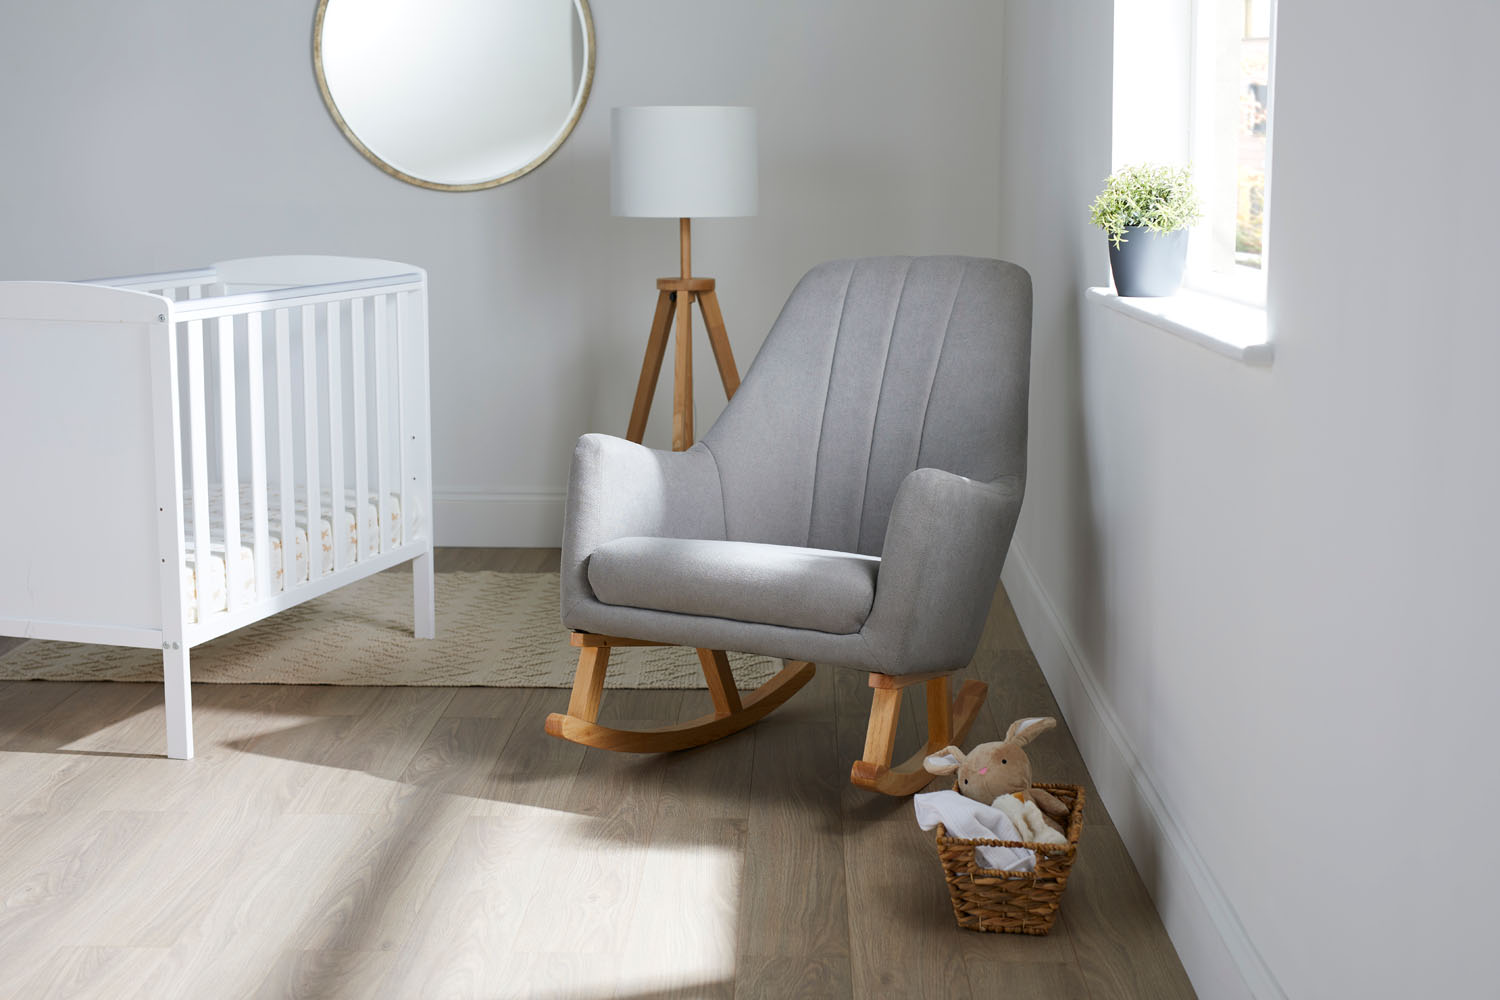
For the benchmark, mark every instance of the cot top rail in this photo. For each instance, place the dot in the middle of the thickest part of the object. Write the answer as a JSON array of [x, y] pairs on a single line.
[[225, 281], [254, 284], [294, 270], [283, 298], [164, 279]]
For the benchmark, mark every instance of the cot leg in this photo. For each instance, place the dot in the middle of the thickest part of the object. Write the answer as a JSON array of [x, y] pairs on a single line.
[[179, 702], [424, 597]]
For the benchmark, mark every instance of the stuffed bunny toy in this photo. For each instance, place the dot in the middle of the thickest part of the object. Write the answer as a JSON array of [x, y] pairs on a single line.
[[999, 774]]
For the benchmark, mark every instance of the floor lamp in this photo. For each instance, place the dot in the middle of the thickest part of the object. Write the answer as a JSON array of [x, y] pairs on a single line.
[[681, 163]]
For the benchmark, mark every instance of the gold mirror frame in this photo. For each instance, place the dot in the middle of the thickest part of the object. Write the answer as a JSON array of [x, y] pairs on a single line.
[[585, 15]]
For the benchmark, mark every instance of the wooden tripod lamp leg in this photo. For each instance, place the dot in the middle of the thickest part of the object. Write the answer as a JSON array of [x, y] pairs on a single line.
[[675, 301], [682, 385], [682, 394], [718, 339], [656, 351]]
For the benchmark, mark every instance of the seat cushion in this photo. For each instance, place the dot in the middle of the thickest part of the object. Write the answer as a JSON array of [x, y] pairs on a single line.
[[816, 589]]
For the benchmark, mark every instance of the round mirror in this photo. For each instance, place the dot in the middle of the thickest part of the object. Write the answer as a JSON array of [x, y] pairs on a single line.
[[455, 95]]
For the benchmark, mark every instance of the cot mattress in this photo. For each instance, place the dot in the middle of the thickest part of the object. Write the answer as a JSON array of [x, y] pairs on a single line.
[[361, 535]]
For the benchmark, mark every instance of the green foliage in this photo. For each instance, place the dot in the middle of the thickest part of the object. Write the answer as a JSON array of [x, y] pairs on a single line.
[[1250, 217], [1160, 198]]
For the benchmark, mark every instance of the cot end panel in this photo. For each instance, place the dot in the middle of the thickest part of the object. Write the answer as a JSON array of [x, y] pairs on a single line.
[[78, 505], [70, 301]]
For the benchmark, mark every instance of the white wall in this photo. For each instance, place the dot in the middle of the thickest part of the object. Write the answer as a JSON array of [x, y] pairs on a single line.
[[174, 133], [1266, 598]]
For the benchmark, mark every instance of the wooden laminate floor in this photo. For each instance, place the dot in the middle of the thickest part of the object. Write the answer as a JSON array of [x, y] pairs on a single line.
[[338, 842]]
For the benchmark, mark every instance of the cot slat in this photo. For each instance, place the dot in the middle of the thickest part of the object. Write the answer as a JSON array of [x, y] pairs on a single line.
[[229, 465], [336, 433], [198, 434], [255, 378], [286, 482], [361, 436], [310, 429], [382, 417], [403, 402]]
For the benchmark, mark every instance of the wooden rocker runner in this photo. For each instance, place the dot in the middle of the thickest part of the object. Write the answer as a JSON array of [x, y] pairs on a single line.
[[730, 714], [945, 724], [852, 506]]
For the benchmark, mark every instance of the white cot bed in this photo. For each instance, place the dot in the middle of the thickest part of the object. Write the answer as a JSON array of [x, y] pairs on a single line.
[[187, 453]]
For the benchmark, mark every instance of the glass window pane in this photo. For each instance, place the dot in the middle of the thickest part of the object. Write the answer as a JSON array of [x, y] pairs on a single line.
[[1250, 158]]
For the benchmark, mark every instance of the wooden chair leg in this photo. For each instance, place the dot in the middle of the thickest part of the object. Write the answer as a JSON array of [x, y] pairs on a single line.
[[588, 683], [720, 682], [885, 715], [945, 725], [939, 721], [730, 714]]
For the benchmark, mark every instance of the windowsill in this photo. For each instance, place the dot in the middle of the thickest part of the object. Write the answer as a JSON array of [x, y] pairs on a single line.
[[1224, 326]]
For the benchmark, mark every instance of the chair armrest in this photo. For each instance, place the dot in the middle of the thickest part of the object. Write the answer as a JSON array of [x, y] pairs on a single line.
[[618, 488], [944, 547]]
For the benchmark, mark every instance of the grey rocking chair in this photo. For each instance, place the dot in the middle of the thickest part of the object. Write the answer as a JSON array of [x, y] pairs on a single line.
[[852, 506]]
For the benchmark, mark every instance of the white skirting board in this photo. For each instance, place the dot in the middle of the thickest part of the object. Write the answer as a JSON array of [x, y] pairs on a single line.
[[501, 519], [1215, 949]]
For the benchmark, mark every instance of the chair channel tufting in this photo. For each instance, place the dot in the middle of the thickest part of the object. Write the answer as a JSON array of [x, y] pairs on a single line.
[[875, 367]]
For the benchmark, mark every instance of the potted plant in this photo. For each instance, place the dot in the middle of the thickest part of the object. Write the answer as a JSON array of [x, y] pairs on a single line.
[[1145, 211]]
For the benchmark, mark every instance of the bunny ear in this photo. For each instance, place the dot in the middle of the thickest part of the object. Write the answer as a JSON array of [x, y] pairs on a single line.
[[948, 760], [1023, 731]]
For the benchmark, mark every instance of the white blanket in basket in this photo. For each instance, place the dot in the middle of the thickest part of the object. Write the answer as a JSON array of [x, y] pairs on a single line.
[[966, 819]]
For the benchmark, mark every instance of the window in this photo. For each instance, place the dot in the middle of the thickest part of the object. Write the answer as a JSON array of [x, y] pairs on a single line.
[[1229, 140], [1193, 84]]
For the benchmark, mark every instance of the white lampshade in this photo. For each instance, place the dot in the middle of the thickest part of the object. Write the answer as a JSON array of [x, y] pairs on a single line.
[[682, 162]]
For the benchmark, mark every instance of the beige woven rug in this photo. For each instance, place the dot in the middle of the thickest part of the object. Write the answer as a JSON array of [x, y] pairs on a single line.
[[493, 630]]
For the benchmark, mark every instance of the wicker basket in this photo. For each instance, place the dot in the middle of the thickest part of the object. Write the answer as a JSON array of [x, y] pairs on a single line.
[[1012, 902]]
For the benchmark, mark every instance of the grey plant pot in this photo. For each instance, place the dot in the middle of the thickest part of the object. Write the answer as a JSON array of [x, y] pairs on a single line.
[[1147, 263]]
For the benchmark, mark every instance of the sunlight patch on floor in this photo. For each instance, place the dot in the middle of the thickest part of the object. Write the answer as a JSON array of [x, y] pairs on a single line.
[[625, 917]]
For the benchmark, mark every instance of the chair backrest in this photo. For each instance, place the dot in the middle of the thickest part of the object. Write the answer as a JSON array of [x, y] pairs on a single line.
[[874, 368]]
